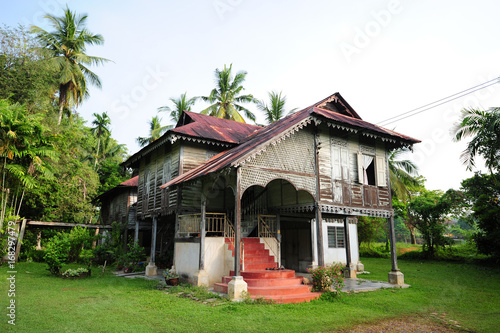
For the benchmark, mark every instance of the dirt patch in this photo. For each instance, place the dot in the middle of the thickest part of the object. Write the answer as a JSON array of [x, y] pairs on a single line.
[[436, 324], [402, 251]]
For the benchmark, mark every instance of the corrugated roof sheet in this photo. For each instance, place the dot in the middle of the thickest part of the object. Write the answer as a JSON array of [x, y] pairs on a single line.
[[195, 125], [134, 181], [207, 127], [273, 131]]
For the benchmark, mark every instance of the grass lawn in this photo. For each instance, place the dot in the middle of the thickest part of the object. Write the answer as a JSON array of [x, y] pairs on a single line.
[[440, 292]]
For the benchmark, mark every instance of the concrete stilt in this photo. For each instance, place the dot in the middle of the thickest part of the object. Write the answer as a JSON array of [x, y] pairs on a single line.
[[237, 288], [202, 279]]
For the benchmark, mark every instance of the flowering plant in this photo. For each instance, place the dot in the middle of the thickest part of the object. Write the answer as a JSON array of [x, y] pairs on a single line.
[[326, 277], [170, 274]]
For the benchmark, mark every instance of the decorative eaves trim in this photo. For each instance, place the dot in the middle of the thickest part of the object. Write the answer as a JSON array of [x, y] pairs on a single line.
[[174, 137]]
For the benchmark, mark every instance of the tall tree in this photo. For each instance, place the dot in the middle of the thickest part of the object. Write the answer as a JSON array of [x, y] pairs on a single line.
[[180, 104], [156, 130], [484, 128], [101, 123], [276, 108], [226, 96], [65, 49], [24, 146]]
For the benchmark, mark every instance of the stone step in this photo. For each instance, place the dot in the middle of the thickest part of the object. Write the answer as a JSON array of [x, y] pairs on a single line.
[[297, 289], [259, 266], [283, 299]]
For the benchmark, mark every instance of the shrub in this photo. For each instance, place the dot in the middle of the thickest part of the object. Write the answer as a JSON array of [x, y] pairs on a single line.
[[56, 252], [75, 272], [325, 277]]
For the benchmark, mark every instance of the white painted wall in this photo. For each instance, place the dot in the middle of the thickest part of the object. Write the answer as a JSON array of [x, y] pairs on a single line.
[[218, 260], [335, 255], [187, 259]]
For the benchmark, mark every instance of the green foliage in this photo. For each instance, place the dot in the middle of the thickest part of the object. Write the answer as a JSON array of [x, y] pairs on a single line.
[[64, 49], [74, 272], [430, 210], [111, 248], [464, 292], [484, 128], [371, 229], [276, 108], [326, 277], [24, 77], [65, 247], [226, 96], [370, 250], [56, 252], [483, 192]]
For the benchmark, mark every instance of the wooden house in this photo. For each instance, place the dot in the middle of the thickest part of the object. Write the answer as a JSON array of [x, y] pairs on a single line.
[[227, 191]]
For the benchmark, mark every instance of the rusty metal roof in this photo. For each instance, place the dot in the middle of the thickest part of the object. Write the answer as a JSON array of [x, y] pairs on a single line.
[[134, 181], [333, 110], [198, 126], [207, 127]]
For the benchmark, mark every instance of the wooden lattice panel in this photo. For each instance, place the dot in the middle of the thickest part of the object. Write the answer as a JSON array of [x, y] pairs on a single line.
[[293, 155]]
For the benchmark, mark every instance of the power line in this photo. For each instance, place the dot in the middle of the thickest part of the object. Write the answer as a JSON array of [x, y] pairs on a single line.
[[442, 100]]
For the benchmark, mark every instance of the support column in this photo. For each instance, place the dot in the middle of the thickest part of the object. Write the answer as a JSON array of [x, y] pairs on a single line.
[[314, 247], [237, 225], [202, 276], [136, 231], [278, 237], [319, 219], [349, 271], [395, 275], [20, 239], [319, 237], [151, 268], [39, 240]]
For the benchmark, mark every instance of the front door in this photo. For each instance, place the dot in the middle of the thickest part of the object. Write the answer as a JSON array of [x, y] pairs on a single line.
[[296, 252]]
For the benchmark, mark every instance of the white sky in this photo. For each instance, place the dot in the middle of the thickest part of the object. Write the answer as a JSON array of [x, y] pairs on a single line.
[[384, 57]]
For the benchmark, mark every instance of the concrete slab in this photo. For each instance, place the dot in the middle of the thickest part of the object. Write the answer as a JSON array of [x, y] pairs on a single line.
[[359, 285]]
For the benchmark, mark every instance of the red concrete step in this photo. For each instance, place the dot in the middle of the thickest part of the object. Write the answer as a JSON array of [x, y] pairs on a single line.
[[278, 290], [299, 298], [253, 246], [259, 252], [266, 274], [271, 282], [249, 240], [257, 266], [258, 259]]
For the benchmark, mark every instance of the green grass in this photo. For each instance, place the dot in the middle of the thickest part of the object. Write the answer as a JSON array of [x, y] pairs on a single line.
[[466, 293]]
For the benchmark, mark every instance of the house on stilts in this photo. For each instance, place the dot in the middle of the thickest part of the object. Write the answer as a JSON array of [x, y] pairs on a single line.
[[234, 202]]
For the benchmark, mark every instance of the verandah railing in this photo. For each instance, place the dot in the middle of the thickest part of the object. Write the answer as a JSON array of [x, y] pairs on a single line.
[[216, 224], [267, 229]]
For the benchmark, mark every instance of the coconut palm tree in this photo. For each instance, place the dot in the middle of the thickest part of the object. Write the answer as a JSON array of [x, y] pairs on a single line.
[[484, 128], [402, 174], [65, 51], [101, 129], [276, 109], [225, 97], [155, 132], [180, 104]]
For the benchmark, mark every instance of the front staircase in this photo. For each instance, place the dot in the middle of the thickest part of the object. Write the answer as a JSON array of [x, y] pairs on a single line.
[[263, 278]]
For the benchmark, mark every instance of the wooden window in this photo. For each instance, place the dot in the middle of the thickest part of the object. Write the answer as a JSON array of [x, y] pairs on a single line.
[[381, 171], [167, 174], [340, 163], [336, 237]]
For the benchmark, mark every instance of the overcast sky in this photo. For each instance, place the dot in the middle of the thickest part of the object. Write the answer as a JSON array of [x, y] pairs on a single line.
[[384, 57]]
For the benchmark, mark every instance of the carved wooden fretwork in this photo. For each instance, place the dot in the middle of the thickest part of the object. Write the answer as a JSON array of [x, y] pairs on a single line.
[[339, 142], [356, 211], [251, 176], [370, 150]]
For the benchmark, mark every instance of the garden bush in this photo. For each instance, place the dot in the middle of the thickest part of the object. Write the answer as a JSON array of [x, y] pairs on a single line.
[[326, 277]]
